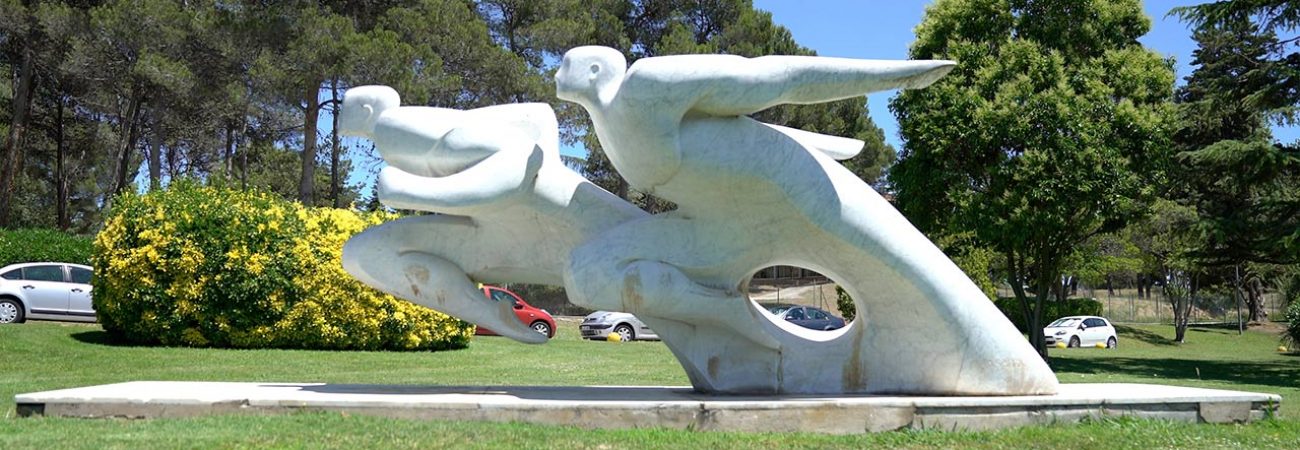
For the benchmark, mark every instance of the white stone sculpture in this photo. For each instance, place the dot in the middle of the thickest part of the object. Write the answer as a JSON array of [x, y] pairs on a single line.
[[512, 212], [749, 195]]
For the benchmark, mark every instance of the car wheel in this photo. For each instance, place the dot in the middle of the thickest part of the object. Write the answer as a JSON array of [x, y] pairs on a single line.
[[10, 311], [1112, 343], [625, 332], [1074, 342], [542, 327]]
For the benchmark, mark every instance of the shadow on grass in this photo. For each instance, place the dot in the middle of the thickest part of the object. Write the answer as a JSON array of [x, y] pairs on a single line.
[[1279, 374], [1142, 335], [99, 337]]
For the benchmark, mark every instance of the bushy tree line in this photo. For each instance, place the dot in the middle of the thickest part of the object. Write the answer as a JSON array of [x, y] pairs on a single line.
[[1059, 149], [103, 93], [42, 245]]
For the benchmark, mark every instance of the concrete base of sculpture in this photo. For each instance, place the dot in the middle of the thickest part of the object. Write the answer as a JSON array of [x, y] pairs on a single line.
[[654, 407]]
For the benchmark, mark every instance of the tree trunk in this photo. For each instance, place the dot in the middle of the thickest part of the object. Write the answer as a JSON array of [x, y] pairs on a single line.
[[155, 154], [1110, 286], [173, 161], [243, 154], [130, 133], [60, 177], [1236, 290], [621, 192], [1255, 300], [1035, 321], [1178, 292], [228, 157], [1033, 314], [306, 185], [26, 85], [334, 149]]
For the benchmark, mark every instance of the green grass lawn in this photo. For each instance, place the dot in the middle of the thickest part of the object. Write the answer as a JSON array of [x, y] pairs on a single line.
[[42, 356]]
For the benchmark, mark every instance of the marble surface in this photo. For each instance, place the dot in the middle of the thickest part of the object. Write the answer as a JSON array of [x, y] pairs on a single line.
[[653, 406], [750, 195], [510, 211]]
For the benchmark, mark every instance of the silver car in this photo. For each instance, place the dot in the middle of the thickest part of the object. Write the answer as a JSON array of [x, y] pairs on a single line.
[[599, 324], [46, 290]]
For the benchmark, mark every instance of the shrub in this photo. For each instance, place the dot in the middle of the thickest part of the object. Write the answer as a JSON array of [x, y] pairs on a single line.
[[202, 266], [1052, 309], [553, 299], [39, 245], [1292, 317], [844, 302]]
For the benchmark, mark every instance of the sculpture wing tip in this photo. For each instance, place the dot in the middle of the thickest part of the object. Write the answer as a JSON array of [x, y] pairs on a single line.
[[926, 72]]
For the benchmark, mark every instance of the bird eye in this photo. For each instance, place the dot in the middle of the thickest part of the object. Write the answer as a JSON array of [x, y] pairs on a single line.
[[595, 68]]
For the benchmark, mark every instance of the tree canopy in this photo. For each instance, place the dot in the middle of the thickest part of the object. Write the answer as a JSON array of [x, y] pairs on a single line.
[[106, 94], [1047, 133], [1242, 186]]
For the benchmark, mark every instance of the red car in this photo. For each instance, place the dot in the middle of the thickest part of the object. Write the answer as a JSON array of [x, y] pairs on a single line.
[[537, 319]]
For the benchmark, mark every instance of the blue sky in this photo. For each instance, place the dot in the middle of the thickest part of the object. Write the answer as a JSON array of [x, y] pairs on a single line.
[[882, 29]]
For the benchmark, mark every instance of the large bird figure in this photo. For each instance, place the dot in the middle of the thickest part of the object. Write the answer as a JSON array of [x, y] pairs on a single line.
[[751, 195]]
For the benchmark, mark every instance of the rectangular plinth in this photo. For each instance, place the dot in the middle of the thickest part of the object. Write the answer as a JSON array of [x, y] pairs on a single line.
[[670, 407]]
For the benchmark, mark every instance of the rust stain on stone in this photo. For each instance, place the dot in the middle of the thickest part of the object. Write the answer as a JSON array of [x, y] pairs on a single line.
[[852, 377], [632, 292], [419, 274]]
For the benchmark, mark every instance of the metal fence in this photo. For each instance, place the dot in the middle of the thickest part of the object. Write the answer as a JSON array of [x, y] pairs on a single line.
[[1125, 305], [1119, 305]]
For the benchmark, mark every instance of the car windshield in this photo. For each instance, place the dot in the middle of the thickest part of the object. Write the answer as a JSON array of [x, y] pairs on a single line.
[[1066, 322], [777, 310]]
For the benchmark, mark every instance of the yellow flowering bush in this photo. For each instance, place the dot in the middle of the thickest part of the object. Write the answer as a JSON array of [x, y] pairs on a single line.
[[210, 267]]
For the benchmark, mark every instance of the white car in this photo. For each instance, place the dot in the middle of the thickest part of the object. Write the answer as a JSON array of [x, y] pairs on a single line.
[[599, 324], [46, 290], [1080, 331]]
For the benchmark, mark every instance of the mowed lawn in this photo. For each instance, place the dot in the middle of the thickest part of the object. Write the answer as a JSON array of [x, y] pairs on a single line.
[[41, 356]]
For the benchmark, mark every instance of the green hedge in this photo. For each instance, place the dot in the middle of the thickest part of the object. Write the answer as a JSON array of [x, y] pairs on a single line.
[[1052, 309], [1292, 316], [202, 266], [40, 245]]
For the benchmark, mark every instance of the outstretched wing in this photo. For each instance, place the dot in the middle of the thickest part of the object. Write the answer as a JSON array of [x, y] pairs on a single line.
[[729, 85], [838, 148]]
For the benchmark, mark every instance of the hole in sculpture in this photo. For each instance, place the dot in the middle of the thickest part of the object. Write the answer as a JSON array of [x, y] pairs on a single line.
[[802, 297]]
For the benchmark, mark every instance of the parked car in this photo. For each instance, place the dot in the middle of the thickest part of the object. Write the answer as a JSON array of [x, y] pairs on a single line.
[[806, 316], [45, 290], [599, 324], [1078, 331], [535, 318]]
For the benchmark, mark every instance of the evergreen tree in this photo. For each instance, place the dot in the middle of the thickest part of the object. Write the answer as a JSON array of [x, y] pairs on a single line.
[[1243, 187]]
